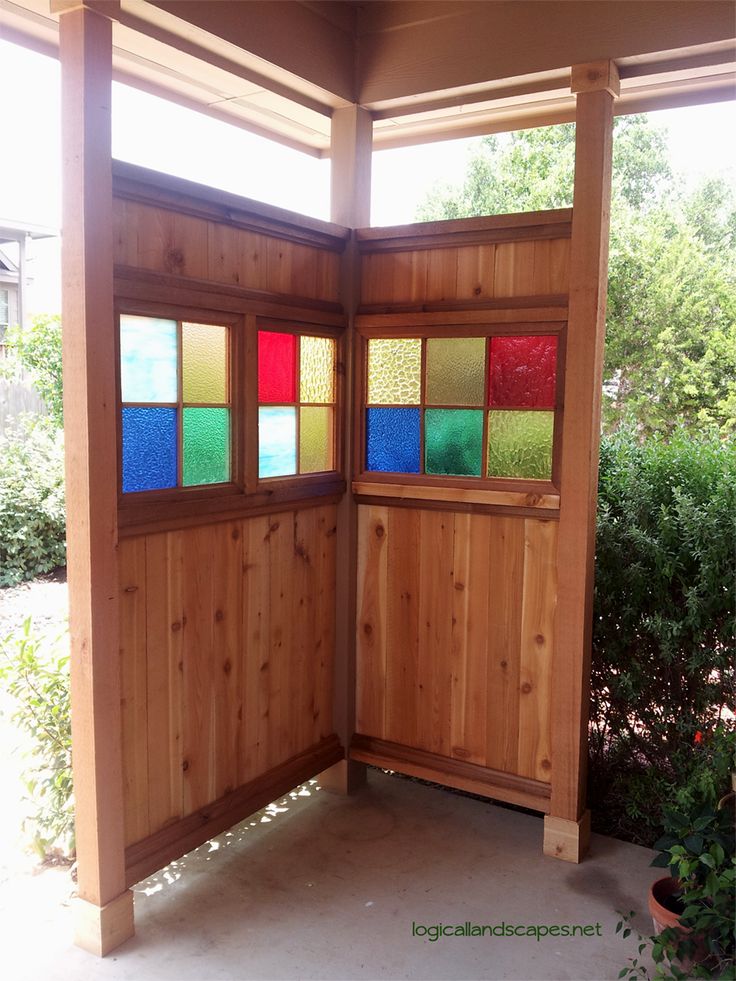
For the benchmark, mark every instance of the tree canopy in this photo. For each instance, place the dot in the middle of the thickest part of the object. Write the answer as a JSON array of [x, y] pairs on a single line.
[[671, 321]]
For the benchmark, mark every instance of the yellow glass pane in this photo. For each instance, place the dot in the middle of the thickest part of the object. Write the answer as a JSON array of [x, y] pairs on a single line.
[[456, 370], [315, 439], [204, 363], [316, 369], [394, 371]]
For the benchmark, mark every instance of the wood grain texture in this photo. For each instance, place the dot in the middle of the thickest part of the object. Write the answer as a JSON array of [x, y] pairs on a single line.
[[226, 658], [162, 240], [452, 607]]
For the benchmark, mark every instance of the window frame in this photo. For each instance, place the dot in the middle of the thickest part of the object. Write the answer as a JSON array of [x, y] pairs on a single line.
[[447, 330], [245, 492]]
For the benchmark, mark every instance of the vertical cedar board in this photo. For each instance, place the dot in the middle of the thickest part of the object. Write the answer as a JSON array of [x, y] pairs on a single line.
[[226, 657], [164, 241], [451, 611], [469, 272]]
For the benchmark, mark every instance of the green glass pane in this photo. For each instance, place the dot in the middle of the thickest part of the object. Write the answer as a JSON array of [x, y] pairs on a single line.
[[520, 444], [394, 371], [204, 363], [456, 370], [148, 360], [206, 437], [453, 441], [316, 369], [315, 439]]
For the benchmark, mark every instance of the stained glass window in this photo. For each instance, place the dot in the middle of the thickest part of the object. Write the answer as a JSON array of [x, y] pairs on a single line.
[[296, 394], [461, 406], [175, 417]]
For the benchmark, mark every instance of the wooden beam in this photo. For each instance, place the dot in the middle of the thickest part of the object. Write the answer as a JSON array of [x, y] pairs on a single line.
[[105, 908], [580, 442], [351, 149]]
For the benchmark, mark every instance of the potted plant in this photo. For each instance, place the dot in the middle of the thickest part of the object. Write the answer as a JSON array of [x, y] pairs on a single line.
[[693, 907]]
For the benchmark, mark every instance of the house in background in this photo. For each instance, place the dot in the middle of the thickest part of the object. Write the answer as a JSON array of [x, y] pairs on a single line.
[[15, 253]]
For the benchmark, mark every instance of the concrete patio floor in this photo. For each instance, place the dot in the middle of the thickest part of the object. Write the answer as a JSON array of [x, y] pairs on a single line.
[[321, 886]]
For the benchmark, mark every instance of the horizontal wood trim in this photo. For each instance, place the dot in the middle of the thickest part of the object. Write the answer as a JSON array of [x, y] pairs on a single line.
[[457, 507], [153, 853], [466, 231], [451, 306], [145, 186], [169, 515], [514, 317], [457, 495], [471, 777], [132, 283]]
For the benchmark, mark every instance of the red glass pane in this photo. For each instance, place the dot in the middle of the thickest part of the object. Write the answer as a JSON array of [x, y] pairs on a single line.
[[523, 371], [276, 367]]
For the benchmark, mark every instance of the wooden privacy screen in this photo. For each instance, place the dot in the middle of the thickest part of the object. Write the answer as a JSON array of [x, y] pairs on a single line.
[[227, 595], [457, 577], [227, 604]]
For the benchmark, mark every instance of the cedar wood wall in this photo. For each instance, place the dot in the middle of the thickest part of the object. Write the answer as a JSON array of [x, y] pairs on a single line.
[[228, 628]]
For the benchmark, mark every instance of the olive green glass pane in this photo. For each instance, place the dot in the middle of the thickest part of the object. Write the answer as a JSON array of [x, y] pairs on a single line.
[[453, 441], [316, 369], [206, 440], [394, 370], [204, 363], [520, 444], [456, 370], [315, 439]]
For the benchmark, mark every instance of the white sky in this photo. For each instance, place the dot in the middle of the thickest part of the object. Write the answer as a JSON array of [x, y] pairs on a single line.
[[166, 137]]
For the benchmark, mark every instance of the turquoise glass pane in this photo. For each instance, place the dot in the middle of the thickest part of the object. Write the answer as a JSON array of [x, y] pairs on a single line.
[[148, 360], [392, 440], [453, 441], [206, 446], [520, 444], [149, 449], [276, 441]]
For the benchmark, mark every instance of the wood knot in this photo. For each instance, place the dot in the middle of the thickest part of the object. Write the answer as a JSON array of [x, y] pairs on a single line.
[[219, 615], [176, 625], [264, 666], [460, 586], [131, 589], [477, 291], [235, 534], [185, 765], [526, 687], [380, 531], [546, 765], [504, 664], [227, 667], [367, 629], [539, 639], [174, 258]]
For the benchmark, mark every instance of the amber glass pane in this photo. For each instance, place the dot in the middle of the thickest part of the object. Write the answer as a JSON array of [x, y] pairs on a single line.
[[520, 444], [394, 370], [204, 363], [456, 369], [316, 369], [315, 439]]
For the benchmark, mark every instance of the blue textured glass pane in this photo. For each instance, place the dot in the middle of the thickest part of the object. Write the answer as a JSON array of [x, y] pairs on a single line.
[[392, 440], [276, 441], [148, 360], [149, 449]]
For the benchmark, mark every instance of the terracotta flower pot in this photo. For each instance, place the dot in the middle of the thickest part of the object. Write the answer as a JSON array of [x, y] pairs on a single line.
[[660, 893]]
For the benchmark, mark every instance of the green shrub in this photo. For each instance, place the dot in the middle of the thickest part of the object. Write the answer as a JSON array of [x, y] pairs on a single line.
[[35, 672], [38, 349], [32, 520], [663, 632]]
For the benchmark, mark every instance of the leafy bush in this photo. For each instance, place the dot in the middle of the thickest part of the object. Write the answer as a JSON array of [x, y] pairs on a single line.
[[663, 633], [32, 520], [35, 671], [38, 349]]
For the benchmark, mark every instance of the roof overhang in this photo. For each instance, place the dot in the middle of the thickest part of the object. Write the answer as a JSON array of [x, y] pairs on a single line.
[[281, 69]]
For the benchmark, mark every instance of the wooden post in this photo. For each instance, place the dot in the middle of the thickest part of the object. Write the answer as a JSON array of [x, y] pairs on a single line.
[[104, 909], [351, 149], [567, 828]]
